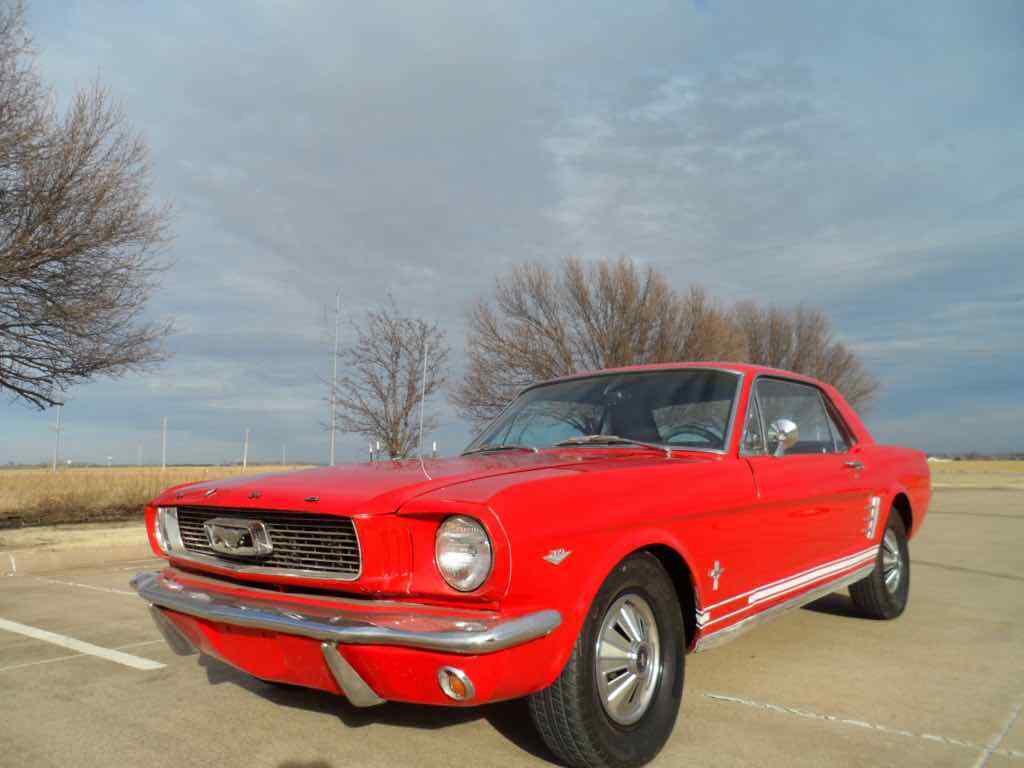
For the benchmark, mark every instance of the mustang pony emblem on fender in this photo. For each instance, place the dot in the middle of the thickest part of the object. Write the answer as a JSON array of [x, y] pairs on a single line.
[[716, 573], [556, 556]]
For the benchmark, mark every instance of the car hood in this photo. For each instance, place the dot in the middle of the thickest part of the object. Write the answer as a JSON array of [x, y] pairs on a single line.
[[382, 487]]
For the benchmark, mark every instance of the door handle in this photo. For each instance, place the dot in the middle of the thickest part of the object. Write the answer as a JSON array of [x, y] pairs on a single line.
[[854, 465]]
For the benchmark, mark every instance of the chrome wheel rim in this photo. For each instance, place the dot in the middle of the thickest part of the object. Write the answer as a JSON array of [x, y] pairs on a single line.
[[627, 659], [892, 562]]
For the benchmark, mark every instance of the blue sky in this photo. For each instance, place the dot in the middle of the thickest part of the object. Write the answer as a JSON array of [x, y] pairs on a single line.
[[861, 157]]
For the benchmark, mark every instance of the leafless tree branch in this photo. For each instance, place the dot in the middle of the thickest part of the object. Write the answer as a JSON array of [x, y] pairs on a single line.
[[801, 340], [78, 233], [379, 394], [541, 324]]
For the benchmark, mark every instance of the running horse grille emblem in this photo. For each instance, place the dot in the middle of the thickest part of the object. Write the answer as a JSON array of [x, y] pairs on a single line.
[[235, 537]]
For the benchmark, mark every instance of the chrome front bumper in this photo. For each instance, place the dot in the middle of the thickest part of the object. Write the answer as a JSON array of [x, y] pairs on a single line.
[[336, 622], [347, 622]]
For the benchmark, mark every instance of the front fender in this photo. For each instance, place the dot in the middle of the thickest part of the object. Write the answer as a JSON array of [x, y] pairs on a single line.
[[572, 585], [618, 550]]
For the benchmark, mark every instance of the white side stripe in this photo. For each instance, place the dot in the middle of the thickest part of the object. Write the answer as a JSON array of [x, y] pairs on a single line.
[[798, 581], [872, 549], [783, 586], [135, 662]]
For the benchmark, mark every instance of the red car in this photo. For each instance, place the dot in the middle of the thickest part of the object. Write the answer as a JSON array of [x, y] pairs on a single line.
[[599, 530]]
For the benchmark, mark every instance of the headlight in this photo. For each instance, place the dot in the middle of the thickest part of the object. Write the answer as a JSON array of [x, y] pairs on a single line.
[[463, 553], [165, 526]]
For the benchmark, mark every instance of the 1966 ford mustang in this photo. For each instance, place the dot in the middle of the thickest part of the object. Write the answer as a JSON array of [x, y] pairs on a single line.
[[598, 531]]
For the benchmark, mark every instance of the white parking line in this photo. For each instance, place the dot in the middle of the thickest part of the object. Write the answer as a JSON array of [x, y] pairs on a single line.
[[993, 745], [992, 749], [135, 662], [109, 590], [74, 656]]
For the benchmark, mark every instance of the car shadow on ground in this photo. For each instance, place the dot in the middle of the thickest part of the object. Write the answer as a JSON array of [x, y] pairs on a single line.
[[511, 719], [836, 604]]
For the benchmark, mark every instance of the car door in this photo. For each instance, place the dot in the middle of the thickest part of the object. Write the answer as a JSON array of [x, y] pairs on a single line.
[[860, 519], [804, 488]]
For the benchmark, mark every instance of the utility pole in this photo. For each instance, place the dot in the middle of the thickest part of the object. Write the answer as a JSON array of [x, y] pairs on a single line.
[[284, 454], [423, 396], [163, 443], [56, 437], [334, 375], [245, 450]]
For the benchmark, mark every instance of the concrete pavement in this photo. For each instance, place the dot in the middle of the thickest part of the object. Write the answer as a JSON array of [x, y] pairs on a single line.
[[942, 686], [48, 548]]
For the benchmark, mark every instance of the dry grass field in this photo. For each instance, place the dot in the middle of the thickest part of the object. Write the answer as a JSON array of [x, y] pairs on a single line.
[[978, 474], [92, 494], [95, 494]]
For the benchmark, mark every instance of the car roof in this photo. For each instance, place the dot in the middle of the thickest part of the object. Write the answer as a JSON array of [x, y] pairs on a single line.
[[745, 369]]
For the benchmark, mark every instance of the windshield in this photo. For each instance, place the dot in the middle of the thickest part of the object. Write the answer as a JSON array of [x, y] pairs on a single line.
[[688, 408]]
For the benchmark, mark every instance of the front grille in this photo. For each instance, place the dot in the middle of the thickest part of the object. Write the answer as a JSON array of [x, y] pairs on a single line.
[[305, 542]]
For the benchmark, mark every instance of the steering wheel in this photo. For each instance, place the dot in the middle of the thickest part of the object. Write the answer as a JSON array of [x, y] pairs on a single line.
[[706, 432]]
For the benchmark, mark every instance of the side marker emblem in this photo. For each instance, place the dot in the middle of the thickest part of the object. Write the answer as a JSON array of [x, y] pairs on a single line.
[[556, 556], [874, 508]]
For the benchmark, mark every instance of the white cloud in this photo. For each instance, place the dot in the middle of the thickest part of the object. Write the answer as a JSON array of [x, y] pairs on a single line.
[[861, 162]]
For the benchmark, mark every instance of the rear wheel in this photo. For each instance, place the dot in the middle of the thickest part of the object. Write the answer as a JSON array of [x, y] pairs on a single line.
[[616, 701], [885, 592]]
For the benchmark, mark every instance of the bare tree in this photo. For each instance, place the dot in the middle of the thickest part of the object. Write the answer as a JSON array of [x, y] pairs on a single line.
[[801, 340], [541, 324], [379, 394], [78, 233]]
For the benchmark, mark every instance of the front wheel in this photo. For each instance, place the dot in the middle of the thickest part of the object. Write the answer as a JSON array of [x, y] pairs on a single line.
[[884, 593], [616, 701]]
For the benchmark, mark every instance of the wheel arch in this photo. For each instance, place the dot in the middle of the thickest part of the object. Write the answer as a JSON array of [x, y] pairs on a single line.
[[901, 505], [672, 554], [681, 574]]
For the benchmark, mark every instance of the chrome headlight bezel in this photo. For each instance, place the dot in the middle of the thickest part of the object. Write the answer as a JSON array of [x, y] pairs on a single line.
[[463, 553], [165, 528]]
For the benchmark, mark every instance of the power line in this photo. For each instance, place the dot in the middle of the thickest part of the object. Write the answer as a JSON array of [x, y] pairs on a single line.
[[334, 375]]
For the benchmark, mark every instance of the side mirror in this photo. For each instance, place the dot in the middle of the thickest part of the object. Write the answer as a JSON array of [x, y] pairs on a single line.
[[783, 434]]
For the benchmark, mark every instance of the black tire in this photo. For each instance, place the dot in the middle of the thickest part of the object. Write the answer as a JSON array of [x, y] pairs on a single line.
[[571, 715], [872, 595]]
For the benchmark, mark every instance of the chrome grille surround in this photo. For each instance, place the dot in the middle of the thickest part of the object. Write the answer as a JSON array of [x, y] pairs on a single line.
[[305, 545]]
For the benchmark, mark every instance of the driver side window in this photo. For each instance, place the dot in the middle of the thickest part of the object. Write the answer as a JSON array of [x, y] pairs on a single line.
[[801, 404]]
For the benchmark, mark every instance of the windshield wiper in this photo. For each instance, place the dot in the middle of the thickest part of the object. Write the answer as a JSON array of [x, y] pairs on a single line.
[[614, 440], [501, 447]]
